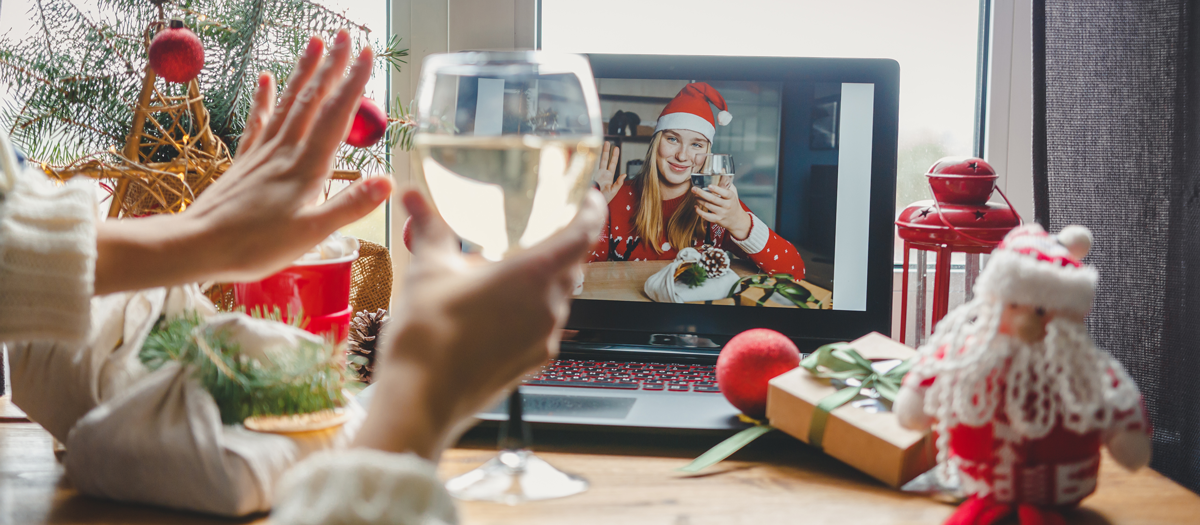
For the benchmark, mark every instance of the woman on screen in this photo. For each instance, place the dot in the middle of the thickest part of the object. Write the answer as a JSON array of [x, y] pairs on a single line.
[[660, 211]]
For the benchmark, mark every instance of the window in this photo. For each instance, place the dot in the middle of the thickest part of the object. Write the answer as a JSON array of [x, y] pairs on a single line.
[[935, 41], [373, 14], [15, 22]]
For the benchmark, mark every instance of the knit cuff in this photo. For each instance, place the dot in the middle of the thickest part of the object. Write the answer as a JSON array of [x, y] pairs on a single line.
[[363, 486], [47, 258], [757, 239]]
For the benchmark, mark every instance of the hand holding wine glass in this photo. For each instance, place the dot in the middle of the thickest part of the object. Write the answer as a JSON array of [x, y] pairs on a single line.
[[504, 146], [720, 205], [465, 330]]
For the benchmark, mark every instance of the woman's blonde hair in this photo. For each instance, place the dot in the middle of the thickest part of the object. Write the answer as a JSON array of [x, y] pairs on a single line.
[[683, 227]]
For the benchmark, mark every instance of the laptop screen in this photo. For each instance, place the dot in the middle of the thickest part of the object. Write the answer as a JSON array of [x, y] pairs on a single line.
[[775, 218], [744, 192]]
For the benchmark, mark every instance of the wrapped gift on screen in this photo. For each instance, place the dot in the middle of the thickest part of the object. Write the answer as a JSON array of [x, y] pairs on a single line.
[[839, 400]]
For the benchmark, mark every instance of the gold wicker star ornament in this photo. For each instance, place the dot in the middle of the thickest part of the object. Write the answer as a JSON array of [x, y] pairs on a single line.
[[170, 156]]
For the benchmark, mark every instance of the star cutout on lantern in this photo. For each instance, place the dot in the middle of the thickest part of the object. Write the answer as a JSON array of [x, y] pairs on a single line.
[[974, 166], [979, 215], [925, 212]]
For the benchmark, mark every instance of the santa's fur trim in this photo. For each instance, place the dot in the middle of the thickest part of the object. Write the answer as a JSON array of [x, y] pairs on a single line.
[[688, 121], [1022, 279]]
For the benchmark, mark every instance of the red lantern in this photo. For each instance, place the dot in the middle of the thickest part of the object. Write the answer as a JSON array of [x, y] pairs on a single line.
[[959, 219]]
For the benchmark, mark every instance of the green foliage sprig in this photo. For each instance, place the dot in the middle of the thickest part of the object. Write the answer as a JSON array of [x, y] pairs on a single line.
[[304, 380], [784, 284], [694, 275]]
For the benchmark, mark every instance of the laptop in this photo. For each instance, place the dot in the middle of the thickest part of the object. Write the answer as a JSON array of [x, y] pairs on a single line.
[[814, 142]]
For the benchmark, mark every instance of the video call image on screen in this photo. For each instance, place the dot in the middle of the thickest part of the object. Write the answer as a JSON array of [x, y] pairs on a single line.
[[789, 221]]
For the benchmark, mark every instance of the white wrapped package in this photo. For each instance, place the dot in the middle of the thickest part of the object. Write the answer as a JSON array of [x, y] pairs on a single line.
[[662, 288], [157, 438]]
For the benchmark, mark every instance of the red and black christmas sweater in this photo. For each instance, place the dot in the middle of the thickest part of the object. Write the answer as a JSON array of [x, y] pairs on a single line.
[[619, 241]]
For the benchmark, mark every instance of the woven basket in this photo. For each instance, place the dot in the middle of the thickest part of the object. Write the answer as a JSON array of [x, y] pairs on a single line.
[[371, 278]]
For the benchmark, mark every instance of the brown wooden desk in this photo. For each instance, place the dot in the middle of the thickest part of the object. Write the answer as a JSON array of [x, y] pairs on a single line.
[[775, 480], [626, 281]]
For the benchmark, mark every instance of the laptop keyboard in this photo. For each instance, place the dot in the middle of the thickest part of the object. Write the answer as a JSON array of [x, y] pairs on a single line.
[[671, 377]]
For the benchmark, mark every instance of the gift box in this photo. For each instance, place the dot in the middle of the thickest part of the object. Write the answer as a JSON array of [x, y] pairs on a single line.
[[861, 431]]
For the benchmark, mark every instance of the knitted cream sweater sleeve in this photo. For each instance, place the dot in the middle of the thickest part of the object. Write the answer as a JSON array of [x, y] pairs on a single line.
[[362, 486], [47, 253]]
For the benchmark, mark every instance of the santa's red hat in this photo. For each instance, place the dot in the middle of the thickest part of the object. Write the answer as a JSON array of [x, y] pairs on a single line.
[[1034, 268], [689, 110]]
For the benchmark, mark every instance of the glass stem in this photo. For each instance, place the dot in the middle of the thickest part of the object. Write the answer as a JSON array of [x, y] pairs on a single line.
[[514, 433]]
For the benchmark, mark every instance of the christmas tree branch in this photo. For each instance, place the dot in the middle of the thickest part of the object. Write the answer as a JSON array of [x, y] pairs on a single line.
[[31, 75], [45, 27], [83, 16], [208, 20], [339, 16], [64, 120], [256, 20]]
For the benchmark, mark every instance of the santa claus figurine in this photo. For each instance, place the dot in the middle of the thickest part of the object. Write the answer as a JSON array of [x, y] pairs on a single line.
[[1019, 395]]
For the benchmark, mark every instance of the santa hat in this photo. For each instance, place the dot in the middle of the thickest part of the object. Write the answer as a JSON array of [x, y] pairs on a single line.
[[689, 110], [1032, 267]]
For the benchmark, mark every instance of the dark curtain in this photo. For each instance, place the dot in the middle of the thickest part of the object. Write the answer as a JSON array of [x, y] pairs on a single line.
[[1116, 139]]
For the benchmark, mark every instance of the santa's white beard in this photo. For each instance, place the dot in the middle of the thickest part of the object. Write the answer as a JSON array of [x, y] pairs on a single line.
[[1063, 378]]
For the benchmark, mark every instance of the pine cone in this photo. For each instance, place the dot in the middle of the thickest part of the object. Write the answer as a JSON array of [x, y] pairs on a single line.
[[715, 260], [364, 334]]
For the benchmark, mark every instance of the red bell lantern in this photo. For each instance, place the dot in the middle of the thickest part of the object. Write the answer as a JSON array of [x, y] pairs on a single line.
[[959, 219]]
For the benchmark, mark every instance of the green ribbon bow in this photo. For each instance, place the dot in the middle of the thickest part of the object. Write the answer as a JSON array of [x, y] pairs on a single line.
[[840, 361], [832, 361]]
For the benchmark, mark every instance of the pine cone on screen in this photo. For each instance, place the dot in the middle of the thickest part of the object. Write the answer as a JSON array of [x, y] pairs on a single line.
[[715, 261]]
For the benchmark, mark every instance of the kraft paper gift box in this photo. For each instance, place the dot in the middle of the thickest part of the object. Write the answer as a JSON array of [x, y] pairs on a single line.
[[872, 442]]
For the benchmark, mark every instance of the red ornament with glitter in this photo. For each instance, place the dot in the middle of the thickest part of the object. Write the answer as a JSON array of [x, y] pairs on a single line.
[[748, 361], [370, 123], [176, 54]]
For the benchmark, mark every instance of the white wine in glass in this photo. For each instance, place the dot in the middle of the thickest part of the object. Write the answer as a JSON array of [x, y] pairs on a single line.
[[506, 143], [505, 146]]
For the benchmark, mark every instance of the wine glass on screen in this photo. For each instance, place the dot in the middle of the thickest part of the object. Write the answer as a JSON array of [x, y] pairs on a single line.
[[716, 169], [505, 145]]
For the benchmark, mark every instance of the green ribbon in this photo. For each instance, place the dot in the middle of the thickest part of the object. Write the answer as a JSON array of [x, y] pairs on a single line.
[[726, 448], [840, 361]]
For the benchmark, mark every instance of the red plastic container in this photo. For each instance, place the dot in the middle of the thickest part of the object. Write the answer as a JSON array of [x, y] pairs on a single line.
[[319, 289]]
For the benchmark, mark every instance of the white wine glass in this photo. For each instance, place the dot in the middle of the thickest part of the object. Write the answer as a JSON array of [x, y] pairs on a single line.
[[505, 146], [716, 169]]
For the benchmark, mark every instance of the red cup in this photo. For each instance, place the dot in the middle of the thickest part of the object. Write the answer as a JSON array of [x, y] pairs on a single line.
[[318, 289]]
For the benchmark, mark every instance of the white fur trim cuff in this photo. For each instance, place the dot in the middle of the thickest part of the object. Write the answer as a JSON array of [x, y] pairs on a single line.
[[363, 486], [1022, 279], [757, 240], [688, 121]]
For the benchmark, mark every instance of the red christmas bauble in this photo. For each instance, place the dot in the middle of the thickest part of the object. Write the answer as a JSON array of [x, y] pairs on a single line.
[[408, 234], [748, 362], [369, 125], [176, 54]]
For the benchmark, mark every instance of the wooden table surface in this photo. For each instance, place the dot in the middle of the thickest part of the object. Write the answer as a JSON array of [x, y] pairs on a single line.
[[775, 480], [626, 281]]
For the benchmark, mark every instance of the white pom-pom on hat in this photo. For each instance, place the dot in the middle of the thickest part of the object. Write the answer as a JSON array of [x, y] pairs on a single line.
[[724, 118], [1077, 240]]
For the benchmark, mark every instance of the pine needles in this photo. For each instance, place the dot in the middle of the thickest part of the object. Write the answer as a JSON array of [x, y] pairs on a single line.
[[305, 380]]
